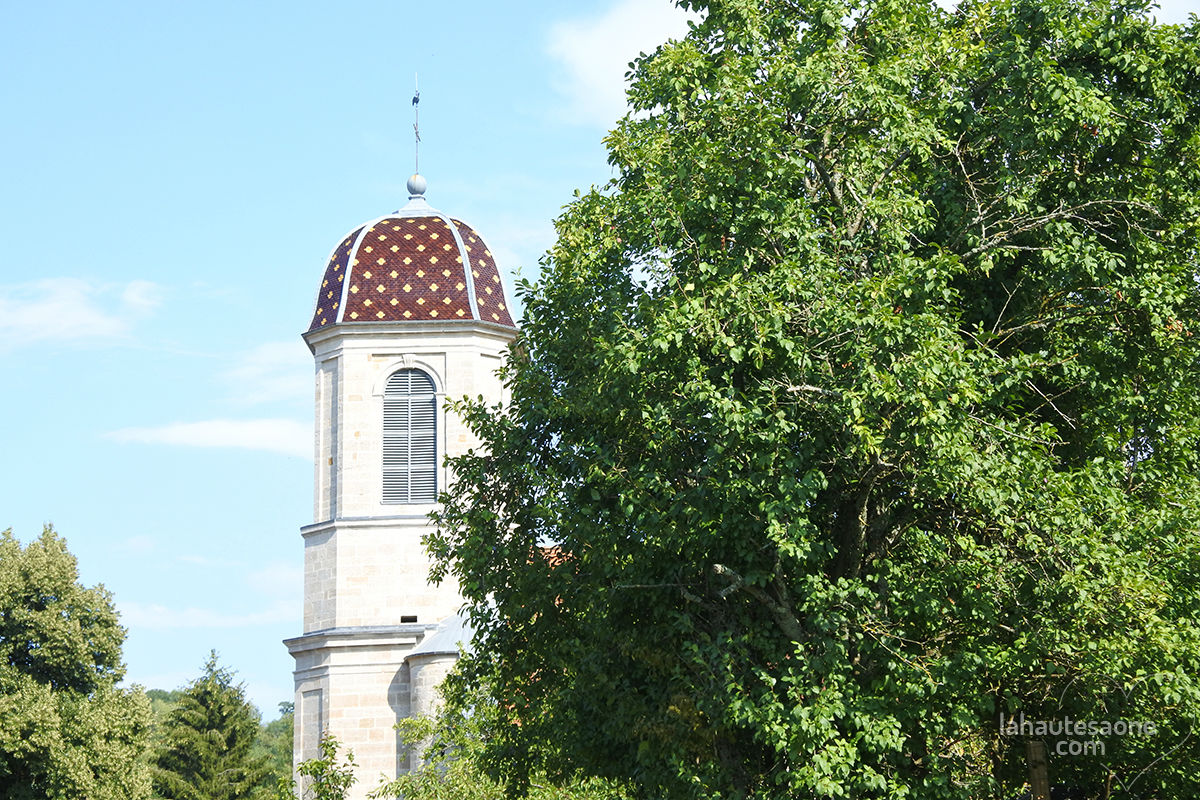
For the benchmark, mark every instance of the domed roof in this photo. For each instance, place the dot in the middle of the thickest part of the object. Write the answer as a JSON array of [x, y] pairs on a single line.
[[416, 265]]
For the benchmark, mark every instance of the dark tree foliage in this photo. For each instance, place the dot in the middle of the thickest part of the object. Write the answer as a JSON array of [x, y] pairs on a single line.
[[66, 730], [861, 408], [162, 703], [208, 743], [275, 742], [445, 758]]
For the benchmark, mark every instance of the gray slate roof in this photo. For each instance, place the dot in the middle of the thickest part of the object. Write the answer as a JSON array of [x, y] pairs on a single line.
[[453, 631]]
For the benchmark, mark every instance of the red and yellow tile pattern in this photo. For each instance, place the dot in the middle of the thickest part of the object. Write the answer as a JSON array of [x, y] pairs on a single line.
[[489, 292], [330, 295], [407, 268], [410, 269]]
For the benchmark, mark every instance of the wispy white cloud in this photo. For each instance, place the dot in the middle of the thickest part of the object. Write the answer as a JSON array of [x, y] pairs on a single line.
[[285, 436], [594, 54], [154, 616], [271, 372], [278, 584], [72, 310], [141, 296]]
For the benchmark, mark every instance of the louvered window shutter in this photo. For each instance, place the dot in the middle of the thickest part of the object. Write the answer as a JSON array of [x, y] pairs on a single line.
[[409, 438]]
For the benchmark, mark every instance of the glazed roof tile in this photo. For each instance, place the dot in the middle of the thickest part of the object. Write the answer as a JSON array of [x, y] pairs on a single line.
[[414, 265]]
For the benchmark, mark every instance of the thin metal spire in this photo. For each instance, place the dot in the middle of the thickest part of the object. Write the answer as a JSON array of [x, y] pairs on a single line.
[[416, 184], [416, 125]]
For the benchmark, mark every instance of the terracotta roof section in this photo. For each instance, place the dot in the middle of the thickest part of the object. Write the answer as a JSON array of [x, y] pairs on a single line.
[[489, 293], [555, 556], [329, 297], [414, 265]]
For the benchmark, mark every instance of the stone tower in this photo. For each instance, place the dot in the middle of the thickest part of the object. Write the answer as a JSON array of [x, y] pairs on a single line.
[[411, 311]]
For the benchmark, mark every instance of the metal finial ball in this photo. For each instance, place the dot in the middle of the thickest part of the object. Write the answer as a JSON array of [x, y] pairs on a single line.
[[416, 185]]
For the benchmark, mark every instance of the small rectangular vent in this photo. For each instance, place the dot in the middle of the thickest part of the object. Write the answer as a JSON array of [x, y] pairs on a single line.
[[408, 618]]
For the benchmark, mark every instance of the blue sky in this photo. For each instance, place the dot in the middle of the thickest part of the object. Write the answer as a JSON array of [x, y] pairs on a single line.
[[174, 177]]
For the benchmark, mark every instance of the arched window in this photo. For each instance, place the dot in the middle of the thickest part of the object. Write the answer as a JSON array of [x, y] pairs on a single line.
[[409, 438]]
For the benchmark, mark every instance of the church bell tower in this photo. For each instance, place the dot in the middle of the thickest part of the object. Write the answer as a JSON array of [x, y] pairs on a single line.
[[411, 311]]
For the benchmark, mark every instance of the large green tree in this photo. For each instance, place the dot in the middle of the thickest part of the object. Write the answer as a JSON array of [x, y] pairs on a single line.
[[861, 408], [208, 743], [66, 730]]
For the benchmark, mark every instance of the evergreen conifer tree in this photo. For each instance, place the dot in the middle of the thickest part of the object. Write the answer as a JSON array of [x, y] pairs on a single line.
[[207, 743]]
